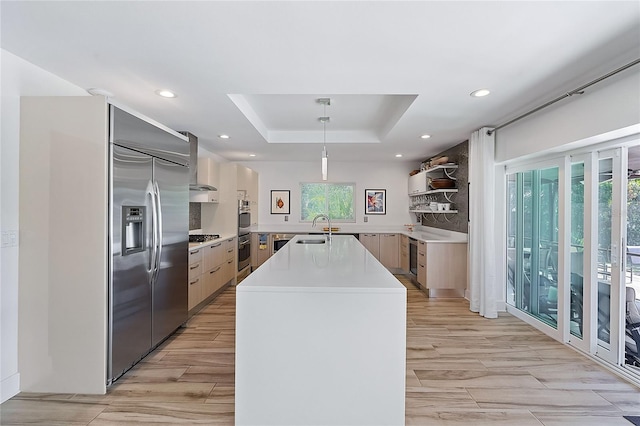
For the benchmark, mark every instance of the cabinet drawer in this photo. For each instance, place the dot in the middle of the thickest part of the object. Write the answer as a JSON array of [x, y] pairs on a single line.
[[195, 291], [229, 268], [213, 256], [195, 255], [422, 247], [230, 249], [422, 273], [195, 270], [212, 281]]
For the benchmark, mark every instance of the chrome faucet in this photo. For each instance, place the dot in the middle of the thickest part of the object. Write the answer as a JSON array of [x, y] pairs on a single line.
[[324, 216]]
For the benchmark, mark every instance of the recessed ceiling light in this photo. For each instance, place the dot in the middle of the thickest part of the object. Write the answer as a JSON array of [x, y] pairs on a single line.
[[166, 93], [398, 155], [479, 93], [252, 155], [99, 92], [223, 136], [425, 136]]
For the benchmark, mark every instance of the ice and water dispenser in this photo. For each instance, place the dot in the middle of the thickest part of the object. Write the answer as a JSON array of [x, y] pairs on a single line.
[[133, 229]]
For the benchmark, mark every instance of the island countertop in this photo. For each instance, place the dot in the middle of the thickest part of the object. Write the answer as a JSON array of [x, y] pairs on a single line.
[[342, 265], [320, 338]]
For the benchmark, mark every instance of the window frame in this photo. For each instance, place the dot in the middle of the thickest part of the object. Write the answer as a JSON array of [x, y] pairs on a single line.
[[327, 185]]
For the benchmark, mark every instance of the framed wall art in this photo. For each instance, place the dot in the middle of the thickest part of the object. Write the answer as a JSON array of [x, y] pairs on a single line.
[[375, 201], [280, 202]]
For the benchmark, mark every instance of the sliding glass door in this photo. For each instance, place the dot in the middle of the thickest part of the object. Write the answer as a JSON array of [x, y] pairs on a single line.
[[576, 213], [580, 188], [608, 265], [532, 252], [632, 270]]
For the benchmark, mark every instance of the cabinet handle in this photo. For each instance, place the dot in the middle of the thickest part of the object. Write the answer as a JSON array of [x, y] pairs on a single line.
[[230, 250], [197, 265], [217, 245], [215, 270], [230, 262], [230, 239], [193, 282], [194, 252], [422, 266]]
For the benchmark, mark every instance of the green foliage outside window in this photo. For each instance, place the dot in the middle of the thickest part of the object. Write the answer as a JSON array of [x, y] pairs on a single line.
[[337, 200]]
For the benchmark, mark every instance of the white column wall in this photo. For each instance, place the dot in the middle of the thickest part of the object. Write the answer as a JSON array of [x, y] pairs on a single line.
[[18, 78]]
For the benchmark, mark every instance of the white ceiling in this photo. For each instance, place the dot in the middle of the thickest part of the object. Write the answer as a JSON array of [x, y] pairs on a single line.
[[394, 70]]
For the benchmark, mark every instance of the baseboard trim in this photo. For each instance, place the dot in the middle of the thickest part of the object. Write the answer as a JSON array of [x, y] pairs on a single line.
[[9, 387]]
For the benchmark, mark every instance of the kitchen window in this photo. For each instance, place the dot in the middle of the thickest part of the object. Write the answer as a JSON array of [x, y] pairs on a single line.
[[334, 199]]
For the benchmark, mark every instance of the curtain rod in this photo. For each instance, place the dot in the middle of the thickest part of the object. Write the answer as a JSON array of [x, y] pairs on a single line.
[[578, 91]]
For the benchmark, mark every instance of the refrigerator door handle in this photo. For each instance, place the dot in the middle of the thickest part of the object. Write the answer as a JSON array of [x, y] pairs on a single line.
[[154, 234], [159, 241]]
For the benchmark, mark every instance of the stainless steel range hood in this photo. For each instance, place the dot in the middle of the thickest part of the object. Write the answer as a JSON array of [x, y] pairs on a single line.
[[198, 192]]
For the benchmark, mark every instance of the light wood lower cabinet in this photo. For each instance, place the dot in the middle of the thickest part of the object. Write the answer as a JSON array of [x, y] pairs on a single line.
[[390, 250], [404, 253], [442, 268], [372, 243], [195, 278], [229, 264], [212, 281], [422, 264], [384, 247], [210, 268]]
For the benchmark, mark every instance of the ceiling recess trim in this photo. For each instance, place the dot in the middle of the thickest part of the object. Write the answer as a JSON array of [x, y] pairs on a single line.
[[354, 118]]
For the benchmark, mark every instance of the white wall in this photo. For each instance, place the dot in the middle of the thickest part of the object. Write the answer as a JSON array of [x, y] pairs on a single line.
[[18, 78], [390, 175], [605, 111]]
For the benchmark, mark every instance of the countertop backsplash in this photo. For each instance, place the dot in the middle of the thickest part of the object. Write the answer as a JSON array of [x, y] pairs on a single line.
[[195, 216]]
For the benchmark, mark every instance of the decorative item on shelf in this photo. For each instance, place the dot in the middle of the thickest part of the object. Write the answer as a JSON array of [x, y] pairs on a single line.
[[442, 183], [409, 227], [414, 172], [375, 201], [280, 202], [438, 161]]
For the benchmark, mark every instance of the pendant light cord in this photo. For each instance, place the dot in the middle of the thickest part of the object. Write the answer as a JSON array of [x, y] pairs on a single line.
[[324, 127]]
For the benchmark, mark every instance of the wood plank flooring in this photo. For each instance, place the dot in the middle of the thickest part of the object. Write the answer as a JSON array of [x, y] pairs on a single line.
[[461, 369]]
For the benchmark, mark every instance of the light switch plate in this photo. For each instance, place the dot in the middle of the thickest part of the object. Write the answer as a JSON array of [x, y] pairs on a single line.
[[10, 238], [286, 218], [366, 219]]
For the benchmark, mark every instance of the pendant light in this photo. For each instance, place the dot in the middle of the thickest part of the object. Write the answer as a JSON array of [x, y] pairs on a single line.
[[324, 120]]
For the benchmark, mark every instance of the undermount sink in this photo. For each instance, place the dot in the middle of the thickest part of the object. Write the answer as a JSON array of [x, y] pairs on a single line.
[[310, 242]]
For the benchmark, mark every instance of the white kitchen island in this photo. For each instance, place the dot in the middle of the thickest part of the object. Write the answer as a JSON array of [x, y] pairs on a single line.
[[320, 338]]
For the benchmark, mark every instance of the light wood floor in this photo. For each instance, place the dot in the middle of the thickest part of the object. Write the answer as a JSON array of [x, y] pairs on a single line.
[[461, 369]]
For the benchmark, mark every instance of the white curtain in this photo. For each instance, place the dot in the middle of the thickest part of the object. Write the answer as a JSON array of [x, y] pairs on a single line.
[[482, 250]]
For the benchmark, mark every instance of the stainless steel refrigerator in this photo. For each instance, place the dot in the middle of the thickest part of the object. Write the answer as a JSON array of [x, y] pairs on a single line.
[[149, 227]]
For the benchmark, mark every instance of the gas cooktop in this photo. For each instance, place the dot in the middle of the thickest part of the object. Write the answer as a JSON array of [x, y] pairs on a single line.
[[201, 238]]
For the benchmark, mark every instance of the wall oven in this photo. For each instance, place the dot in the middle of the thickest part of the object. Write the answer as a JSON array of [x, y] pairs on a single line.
[[279, 240], [244, 251], [244, 222]]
